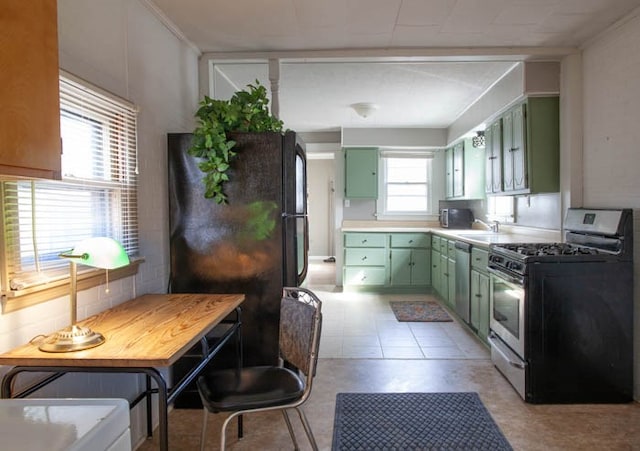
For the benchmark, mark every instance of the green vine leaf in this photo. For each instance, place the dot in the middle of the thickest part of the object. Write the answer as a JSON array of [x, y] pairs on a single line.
[[246, 111]]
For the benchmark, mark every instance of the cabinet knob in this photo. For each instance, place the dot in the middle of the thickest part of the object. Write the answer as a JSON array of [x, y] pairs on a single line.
[[410, 241], [364, 258], [364, 241]]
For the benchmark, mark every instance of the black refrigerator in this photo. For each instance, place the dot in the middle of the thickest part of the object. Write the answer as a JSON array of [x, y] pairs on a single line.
[[255, 244]]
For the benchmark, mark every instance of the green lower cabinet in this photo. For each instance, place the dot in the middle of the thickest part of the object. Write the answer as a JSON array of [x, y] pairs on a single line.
[[435, 271], [365, 259], [410, 267], [480, 304], [444, 277], [451, 292], [387, 261], [420, 269], [365, 276], [364, 256], [400, 266]]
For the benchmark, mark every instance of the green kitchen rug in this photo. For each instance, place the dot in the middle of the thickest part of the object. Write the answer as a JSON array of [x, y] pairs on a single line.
[[419, 311]]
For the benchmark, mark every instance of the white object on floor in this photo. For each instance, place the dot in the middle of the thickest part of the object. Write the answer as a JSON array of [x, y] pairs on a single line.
[[65, 424]]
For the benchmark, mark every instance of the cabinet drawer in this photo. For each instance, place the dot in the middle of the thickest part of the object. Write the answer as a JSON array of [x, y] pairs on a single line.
[[364, 239], [435, 242], [364, 257], [364, 276], [410, 240], [479, 259]]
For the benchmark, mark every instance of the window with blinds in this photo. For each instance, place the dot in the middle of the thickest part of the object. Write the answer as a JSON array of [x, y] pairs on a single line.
[[406, 186], [96, 197]]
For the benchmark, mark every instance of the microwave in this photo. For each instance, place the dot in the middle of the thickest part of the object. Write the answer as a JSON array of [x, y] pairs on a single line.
[[456, 218]]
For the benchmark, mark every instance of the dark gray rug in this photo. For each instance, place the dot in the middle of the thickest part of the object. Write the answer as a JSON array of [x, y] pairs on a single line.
[[414, 421]]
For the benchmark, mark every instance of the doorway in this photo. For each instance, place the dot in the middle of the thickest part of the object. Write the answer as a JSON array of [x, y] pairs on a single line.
[[321, 172]]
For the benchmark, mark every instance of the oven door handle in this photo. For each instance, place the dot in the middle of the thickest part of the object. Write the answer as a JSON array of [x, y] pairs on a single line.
[[497, 345], [503, 276]]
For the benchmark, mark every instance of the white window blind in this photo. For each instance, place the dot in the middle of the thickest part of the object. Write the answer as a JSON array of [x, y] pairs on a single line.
[[96, 197], [406, 182]]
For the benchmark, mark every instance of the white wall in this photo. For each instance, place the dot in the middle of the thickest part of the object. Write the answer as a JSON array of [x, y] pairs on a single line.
[[122, 47], [320, 180], [611, 155]]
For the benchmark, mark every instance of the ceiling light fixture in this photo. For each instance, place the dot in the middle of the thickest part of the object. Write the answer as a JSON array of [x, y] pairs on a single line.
[[364, 109]]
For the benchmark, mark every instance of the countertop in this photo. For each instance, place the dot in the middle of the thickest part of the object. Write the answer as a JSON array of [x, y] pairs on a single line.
[[476, 236]]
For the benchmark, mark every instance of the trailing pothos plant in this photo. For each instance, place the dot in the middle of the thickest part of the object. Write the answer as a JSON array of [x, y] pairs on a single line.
[[246, 111]]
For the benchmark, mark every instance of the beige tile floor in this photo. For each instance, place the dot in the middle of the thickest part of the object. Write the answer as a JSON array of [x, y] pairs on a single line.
[[363, 349]]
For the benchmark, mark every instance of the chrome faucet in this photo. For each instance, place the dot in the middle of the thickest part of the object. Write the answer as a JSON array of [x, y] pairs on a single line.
[[494, 226]]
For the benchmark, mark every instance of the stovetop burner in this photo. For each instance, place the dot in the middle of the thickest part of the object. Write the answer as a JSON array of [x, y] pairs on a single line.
[[542, 249]]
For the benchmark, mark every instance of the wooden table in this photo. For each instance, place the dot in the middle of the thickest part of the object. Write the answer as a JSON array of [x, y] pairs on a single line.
[[142, 334]]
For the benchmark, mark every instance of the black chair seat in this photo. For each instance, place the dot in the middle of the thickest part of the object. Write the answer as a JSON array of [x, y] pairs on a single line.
[[240, 391], [250, 388]]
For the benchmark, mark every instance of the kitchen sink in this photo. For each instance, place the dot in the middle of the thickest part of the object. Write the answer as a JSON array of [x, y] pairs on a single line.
[[485, 237]]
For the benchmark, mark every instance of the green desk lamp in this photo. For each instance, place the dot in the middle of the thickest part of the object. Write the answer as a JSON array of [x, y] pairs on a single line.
[[100, 252]]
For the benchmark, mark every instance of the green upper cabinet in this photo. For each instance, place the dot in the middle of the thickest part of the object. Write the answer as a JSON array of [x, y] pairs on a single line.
[[493, 157], [514, 175], [528, 146], [361, 173], [448, 172], [454, 167], [542, 146], [462, 178]]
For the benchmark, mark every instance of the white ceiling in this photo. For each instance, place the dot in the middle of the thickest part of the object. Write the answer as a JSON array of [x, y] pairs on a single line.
[[424, 62]]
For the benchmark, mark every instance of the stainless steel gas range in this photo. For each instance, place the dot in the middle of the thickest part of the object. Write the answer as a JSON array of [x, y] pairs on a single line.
[[562, 313]]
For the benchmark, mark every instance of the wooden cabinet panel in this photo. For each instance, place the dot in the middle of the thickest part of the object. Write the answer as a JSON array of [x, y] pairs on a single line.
[[448, 174], [444, 277], [523, 155], [401, 266], [361, 173], [435, 270], [458, 170], [463, 179], [480, 304], [514, 149], [451, 279], [421, 264], [30, 113], [493, 156]]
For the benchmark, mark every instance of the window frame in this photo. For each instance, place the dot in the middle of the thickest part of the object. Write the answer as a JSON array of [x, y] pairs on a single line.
[[119, 183], [381, 204]]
